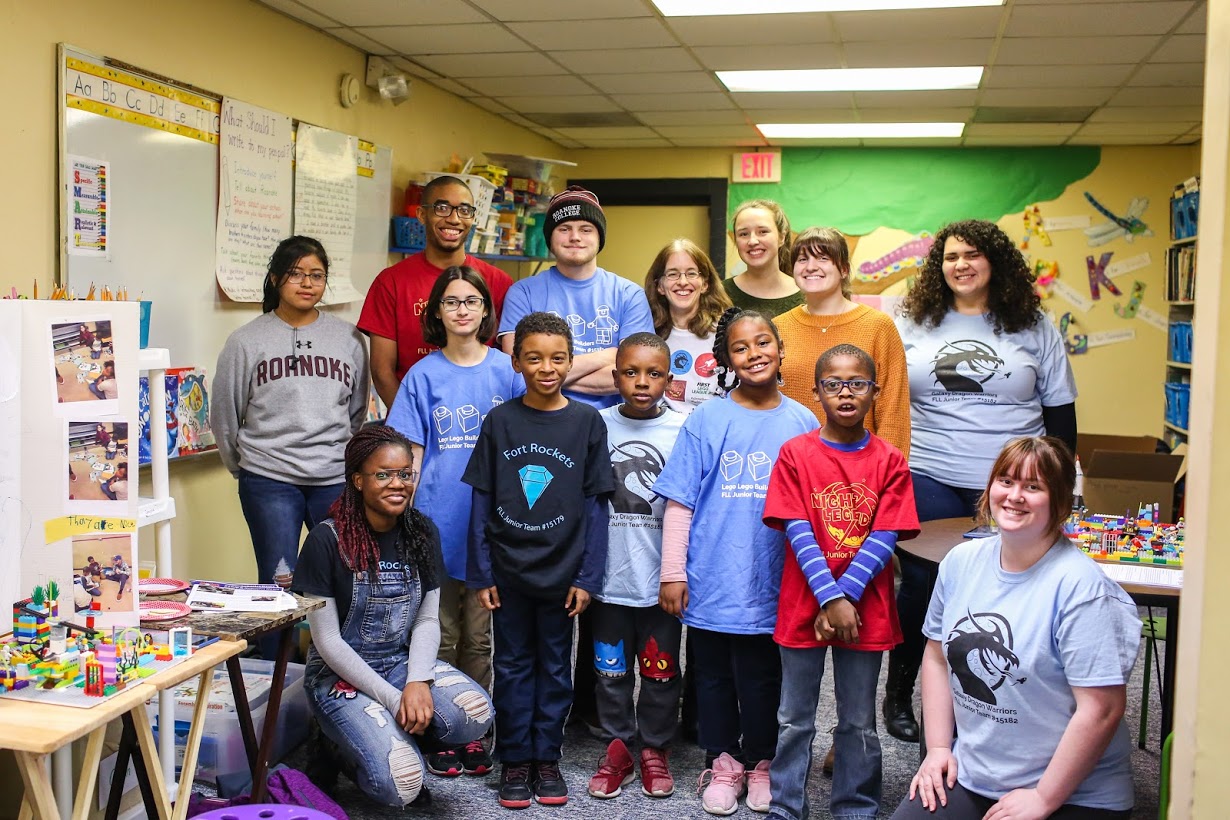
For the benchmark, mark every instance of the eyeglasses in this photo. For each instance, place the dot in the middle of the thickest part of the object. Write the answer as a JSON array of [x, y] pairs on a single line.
[[296, 277], [406, 476], [450, 304], [859, 387], [465, 210], [676, 275]]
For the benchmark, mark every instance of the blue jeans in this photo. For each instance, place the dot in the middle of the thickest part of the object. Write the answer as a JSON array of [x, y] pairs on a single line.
[[856, 747], [276, 513], [738, 688], [532, 689]]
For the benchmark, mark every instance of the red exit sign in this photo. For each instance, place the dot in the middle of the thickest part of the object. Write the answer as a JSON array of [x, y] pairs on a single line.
[[760, 166]]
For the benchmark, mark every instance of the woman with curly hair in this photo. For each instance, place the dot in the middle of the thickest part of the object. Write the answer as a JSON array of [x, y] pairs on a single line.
[[372, 677], [686, 299], [985, 366]]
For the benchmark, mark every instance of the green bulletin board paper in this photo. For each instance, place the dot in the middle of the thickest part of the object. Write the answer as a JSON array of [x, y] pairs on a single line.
[[858, 190]]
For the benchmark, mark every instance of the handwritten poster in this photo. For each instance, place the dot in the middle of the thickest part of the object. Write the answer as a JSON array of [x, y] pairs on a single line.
[[88, 205], [254, 196], [326, 197], [12, 514]]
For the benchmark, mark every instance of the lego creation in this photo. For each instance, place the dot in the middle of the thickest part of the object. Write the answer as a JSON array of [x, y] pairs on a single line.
[[1127, 538]]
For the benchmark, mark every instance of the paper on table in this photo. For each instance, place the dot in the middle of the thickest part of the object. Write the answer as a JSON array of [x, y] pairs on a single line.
[[1143, 574]]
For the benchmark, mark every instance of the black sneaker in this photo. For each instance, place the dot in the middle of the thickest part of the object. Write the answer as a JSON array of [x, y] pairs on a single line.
[[549, 786], [515, 790], [474, 758], [444, 763]]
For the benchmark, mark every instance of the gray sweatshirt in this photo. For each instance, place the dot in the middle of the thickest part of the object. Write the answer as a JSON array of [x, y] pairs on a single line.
[[286, 400]]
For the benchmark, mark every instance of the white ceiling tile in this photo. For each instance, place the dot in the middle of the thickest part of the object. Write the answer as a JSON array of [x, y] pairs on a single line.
[[823, 143], [920, 100], [399, 13], [742, 58], [567, 143], [509, 11], [656, 83], [1180, 48], [517, 119], [715, 142], [1196, 23], [1010, 141], [365, 44], [623, 61], [914, 24], [494, 106], [914, 142], [765, 115], [577, 34], [454, 87], [525, 63], [701, 118], [1121, 139], [476, 38], [1030, 51], [1114, 129], [302, 13], [412, 68], [915, 114], [610, 132], [1146, 95], [1021, 129], [715, 131], [1019, 97], [560, 104], [1189, 113], [1096, 20], [911, 53], [1064, 76], [756, 31], [805, 100], [674, 102], [656, 142], [1181, 74], [520, 86]]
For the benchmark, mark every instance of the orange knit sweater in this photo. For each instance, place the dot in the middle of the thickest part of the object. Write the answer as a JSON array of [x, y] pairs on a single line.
[[805, 337]]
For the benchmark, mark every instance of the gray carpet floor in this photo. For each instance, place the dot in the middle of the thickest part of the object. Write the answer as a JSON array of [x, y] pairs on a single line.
[[475, 797]]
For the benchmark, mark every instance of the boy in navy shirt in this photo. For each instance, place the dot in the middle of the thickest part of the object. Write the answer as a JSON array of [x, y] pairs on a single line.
[[537, 552]]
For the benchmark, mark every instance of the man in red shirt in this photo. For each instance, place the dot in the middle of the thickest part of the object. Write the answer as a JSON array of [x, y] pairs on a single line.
[[398, 297]]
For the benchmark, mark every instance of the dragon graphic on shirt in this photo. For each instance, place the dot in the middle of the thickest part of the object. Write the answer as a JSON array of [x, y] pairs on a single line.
[[966, 365], [979, 653], [637, 465]]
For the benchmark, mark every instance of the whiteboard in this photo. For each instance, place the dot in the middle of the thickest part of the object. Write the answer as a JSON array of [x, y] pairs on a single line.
[[163, 190]]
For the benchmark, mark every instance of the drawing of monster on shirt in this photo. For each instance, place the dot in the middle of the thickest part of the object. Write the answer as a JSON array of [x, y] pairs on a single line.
[[637, 465], [966, 365]]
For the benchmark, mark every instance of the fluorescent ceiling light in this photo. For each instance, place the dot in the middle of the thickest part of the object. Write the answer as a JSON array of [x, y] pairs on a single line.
[[854, 79], [707, 8], [860, 130]]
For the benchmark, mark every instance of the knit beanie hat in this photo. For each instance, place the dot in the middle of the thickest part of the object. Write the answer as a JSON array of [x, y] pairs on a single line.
[[573, 204]]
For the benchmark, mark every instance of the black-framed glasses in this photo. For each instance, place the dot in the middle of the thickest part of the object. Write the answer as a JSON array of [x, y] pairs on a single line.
[[450, 304], [676, 275], [296, 277], [465, 210], [859, 387], [382, 477]]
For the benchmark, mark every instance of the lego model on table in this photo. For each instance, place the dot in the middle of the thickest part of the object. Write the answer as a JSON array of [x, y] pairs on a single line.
[[1127, 538]]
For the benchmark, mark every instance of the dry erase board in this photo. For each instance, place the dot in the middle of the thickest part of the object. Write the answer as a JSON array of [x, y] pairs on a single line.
[[154, 135]]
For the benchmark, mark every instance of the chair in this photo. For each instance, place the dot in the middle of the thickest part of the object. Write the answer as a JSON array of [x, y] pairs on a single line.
[[1163, 787], [1153, 629]]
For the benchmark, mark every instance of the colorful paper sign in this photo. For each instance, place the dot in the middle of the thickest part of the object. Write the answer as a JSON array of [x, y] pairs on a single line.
[[1129, 310], [57, 529], [88, 206], [1098, 277]]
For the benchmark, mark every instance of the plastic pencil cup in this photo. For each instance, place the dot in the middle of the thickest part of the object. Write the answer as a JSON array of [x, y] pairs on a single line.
[[145, 310]]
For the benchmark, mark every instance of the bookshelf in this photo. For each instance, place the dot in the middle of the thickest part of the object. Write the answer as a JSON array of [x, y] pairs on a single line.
[[1181, 304]]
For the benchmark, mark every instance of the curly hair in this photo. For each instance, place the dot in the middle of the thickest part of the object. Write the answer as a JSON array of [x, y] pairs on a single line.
[[433, 325], [355, 540], [540, 322], [828, 242], [711, 304], [721, 349], [780, 221], [1012, 303]]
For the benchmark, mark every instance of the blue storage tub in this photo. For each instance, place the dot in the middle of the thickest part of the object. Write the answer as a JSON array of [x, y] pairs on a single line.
[[1178, 401], [409, 233]]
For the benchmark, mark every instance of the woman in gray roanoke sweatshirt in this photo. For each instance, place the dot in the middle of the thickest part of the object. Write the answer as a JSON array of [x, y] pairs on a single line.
[[289, 392]]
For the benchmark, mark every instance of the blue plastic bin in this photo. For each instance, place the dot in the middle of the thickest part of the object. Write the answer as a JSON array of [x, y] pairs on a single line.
[[1181, 342], [408, 233], [1178, 400]]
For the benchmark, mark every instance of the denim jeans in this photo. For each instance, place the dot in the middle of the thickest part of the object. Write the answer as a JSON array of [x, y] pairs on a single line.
[[628, 638], [276, 513], [532, 689], [856, 747], [738, 688]]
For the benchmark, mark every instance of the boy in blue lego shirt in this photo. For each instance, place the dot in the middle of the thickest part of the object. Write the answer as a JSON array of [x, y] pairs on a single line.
[[536, 552]]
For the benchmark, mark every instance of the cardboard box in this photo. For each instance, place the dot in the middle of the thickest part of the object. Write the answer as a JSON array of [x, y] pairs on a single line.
[[1123, 472]]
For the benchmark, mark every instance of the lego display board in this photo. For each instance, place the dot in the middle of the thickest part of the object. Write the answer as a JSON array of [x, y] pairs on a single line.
[[68, 403]]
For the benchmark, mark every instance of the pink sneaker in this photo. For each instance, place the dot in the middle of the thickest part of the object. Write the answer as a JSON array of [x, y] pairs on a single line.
[[721, 792], [758, 797]]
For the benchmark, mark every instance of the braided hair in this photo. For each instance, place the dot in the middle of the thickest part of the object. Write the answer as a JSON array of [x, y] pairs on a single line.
[[355, 540], [726, 378]]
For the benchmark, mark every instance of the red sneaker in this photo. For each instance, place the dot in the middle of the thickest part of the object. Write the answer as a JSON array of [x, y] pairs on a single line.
[[615, 771], [656, 779]]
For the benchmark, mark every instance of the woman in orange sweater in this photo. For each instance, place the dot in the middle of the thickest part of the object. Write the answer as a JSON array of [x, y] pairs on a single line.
[[820, 262]]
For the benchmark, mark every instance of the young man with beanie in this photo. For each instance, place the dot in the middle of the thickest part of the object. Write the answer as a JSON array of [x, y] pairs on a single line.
[[397, 299], [601, 308]]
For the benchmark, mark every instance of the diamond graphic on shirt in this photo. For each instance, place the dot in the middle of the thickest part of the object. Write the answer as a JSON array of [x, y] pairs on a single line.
[[468, 418], [759, 465], [443, 418], [534, 481], [732, 465]]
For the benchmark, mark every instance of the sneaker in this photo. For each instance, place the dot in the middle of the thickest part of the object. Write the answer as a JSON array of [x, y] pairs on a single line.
[[549, 786], [614, 772], [827, 766], [721, 792], [474, 758], [758, 798], [656, 780], [515, 790], [444, 763]]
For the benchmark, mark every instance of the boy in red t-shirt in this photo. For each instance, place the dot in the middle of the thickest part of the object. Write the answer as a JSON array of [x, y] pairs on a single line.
[[844, 497]]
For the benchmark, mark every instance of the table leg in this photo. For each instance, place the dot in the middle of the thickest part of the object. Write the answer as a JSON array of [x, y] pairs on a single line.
[[149, 760], [89, 773], [1168, 674], [243, 709], [39, 795], [272, 707], [193, 745], [123, 754], [25, 812]]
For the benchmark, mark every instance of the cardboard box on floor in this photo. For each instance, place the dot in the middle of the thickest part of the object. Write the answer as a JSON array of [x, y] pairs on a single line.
[[1123, 472]]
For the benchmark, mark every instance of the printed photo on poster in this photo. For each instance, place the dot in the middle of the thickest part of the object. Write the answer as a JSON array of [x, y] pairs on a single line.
[[83, 357], [98, 461], [105, 577]]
